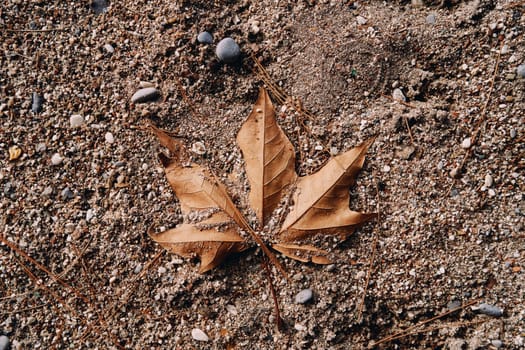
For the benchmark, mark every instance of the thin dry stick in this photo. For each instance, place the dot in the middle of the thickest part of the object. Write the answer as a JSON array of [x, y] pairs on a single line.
[[481, 120], [409, 330], [35, 30], [372, 258], [57, 279], [409, 131], [278, 319], [186, 99]]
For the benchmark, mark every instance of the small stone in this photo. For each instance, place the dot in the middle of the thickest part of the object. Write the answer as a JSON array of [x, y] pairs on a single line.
[[205, 38], [90, 214], [398, 95], [40, 147], [198, 148], [231, 309], [145, 84], [56, 159], [4, 342], [491, 193], [37, 102], [466, 143], [497, 343], [47, 192], [488, 180], [66, 194], [488, 309], [521, 71], [76, 120], [145, 95], [14, 152], [513, 133], [109, 49], [455, 173], [199, 335], [385, 168], [137, 269], [109, 138], [228, 51], [299, 327], [431, 19], [99, 6], [304, 296], [361, 20]]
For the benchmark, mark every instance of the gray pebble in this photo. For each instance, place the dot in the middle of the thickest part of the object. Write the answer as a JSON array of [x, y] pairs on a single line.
[[145, 95], [37, 102], [66, 194], [513, 133], [488, 309], [431, 19], [521, 71], [205, 38], [228, 51], [304, 296], [4, 342], [137, 269], [99, 6], [454, 304], [109, 48], [398, 95], [90, 214]]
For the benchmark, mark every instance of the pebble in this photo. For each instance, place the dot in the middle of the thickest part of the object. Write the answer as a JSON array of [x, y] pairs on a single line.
[[90, 214], [386, 168], [145, 95], [361, 20], [76, 120], [488, 180], [488, 309], [521, 71], [491, 193], [198, 148], [513, 133], [304, 296], [453, 304], [99, 6], [109, 137], [199, 335], [137, 269], [109, 48], [228, 51], [47, 192], [497, 343], [56, 159], [66, 194], [162, 270], [205, 38], [37, 102], [431, 19], [4, 342], [231, 309], [466, 143], [398, 95]]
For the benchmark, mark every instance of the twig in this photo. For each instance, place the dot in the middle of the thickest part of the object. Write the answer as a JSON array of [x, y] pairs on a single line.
[[409, 131], [412, 329], [186, 99], [279, 320], [35, 30]]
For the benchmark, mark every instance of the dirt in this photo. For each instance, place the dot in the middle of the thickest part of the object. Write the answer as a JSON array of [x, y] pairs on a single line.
[[77, 268]]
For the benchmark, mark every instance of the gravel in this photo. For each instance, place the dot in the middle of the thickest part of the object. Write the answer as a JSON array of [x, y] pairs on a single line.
[[145, 95], [4, 342], [327, 64]]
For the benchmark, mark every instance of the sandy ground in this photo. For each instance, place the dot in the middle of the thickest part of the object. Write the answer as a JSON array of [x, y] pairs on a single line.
[[77, 268]]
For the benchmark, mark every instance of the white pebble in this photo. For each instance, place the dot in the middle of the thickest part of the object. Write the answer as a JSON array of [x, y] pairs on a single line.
[[56, 159], [361, 20], [492, 193], [299, 327], [109, 48], [466, 143], [162, 270], [198, 148], [90, 214], [398, 95], [199, 335], [386, 168], [145, 95], [304, 296], [109, 137], [488, 180], [76, 120]]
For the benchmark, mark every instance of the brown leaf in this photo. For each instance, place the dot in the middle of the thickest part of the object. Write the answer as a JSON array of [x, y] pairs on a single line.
[[303, 253], [321, 200], [269, 157], [198, 190]]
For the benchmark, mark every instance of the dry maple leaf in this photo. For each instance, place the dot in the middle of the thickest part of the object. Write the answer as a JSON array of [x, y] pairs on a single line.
[[321, 200]]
